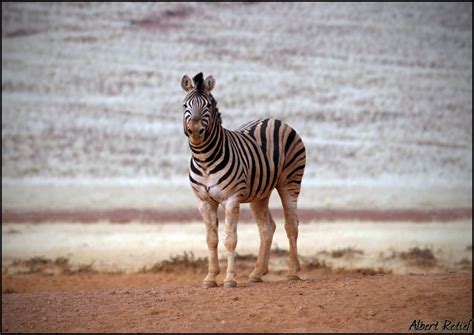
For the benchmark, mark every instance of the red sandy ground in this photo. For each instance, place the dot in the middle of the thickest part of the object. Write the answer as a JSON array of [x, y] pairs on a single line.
[[325, 301]]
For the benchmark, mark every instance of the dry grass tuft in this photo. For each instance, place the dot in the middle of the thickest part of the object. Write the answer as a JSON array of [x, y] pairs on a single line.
[[420, 257], [313, 263], [465, 264], [47, 266], [346, 253], [373, 272], [185, 261], [8, 290], [12, 231], [246, 257], [278, 252]]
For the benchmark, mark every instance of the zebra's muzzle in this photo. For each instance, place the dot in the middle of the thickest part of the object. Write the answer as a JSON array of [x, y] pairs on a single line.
[[196, 133]]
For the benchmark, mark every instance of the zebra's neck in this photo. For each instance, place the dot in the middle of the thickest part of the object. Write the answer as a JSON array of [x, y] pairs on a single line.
[[211, 149]]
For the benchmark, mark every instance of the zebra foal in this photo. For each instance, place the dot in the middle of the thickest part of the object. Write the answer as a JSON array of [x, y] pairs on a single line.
[[242, 166]]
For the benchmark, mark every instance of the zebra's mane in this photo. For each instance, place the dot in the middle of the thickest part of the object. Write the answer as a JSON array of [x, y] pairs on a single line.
[[199, 86], [199, 81], [214, 106]]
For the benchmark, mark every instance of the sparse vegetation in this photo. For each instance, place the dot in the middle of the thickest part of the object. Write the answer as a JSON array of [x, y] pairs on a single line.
[[277, 251], [185, 261], [8, 290], [246, 257], [373, 272], [47, 266], [33, 265], [12, 231], [465, 264], [419, 257], [346, 253], [313, 263]]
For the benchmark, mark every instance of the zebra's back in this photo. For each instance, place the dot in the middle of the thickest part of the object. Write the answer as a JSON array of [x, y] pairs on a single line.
[[282, 157]]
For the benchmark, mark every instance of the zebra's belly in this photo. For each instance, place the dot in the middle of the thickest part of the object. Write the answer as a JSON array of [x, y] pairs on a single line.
[[212, 192], [216, 193]]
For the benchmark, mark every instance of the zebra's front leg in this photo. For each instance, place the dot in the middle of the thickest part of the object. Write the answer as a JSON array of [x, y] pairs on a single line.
[[232, 209], [208, 212]]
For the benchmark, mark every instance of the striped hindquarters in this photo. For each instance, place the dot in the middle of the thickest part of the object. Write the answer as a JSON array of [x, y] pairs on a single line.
[[281, 158]]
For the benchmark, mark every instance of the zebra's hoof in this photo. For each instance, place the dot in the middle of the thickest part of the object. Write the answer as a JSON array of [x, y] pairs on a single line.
[[230, 284], [293, 278], [209, 284], [252, 280]]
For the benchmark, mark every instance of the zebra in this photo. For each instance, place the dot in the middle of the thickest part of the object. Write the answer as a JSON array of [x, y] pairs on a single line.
[[242, 166]]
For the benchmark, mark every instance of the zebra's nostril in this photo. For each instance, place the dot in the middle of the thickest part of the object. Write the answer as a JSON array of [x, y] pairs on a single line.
[[201, 131]]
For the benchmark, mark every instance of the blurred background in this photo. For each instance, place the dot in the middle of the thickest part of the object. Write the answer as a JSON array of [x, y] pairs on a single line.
[[380, 93]]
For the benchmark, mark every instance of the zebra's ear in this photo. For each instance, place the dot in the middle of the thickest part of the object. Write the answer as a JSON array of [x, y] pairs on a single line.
[[209, 83], [186, 83]]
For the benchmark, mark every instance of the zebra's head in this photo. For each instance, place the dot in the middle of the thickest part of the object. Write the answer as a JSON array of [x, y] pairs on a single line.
[[200, 111]]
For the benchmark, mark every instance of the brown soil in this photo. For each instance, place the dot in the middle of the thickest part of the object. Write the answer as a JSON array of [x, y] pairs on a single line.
[[187, 215], [173, 301]]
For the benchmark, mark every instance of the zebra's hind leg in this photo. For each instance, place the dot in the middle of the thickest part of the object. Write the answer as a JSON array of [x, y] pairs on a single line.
[[289, 198], [266, 228]]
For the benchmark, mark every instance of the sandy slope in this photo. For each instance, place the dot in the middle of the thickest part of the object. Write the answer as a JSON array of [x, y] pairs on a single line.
[[380, 93]]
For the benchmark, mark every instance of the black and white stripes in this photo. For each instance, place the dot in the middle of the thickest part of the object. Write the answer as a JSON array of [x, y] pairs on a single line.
[[233, 167], [245, 164]]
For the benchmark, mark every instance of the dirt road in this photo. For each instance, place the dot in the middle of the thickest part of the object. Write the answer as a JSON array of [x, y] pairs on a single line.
[[329, 302]]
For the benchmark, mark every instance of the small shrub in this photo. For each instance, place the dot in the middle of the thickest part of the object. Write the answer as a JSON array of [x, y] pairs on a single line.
[[9, 291], [419, 257], [186, 260], [246, 257], [346, 252], [465, 264], [314, 263], [279, 252], [373, 272], [47, 266]]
